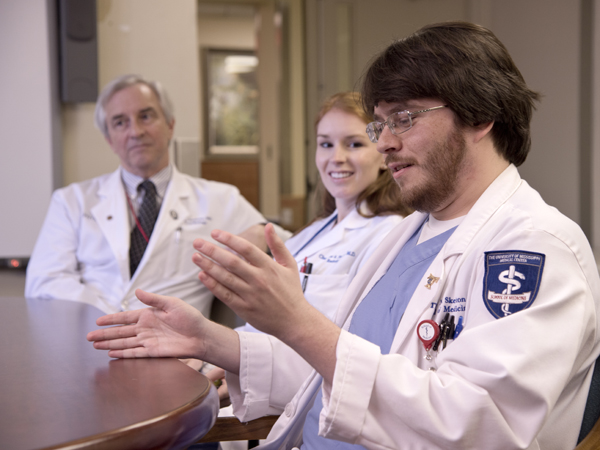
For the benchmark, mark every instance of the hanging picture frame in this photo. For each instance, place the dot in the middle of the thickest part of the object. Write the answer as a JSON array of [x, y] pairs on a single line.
[[230, 102]]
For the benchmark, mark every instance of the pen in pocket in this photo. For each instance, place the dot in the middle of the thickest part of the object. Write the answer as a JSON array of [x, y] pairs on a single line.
[[307, 271]]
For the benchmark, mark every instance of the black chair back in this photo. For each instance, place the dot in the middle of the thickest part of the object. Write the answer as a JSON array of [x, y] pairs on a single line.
[[592, 406]]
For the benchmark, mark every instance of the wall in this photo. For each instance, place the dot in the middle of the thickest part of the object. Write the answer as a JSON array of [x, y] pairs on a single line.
[[160, 41], [373, 25], [595, 137], [376, 31], [28, 122], [546, 48], [257, 26], [148, 37], [227, 29]]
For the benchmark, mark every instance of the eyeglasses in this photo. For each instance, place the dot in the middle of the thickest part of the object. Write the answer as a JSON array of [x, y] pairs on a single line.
[[398, 123]]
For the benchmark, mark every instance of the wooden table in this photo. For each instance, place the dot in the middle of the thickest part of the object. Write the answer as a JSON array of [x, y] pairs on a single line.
[[57, 391]]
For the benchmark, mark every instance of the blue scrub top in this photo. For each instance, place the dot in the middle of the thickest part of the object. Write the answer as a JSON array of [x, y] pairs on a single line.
[[384, 305]]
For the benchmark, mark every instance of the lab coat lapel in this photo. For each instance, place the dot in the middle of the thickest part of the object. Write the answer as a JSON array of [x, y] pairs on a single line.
[[352, 221], [377, 266], [452, 254], [309, 246], [112, 218], [336, 234], [498, 193], [174, 210], [422, 300]]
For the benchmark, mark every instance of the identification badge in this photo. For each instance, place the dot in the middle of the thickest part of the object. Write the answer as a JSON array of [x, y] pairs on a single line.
[[428, 331], [512, 280]]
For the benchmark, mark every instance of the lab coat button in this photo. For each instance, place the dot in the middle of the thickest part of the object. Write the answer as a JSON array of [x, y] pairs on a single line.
[[289, 409]]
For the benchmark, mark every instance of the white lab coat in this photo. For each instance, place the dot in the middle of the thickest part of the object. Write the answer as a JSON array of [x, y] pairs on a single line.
[[82, 252], [336, 254], [516, 382]]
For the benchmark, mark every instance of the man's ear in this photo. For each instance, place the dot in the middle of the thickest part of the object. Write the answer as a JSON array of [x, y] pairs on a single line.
[[482, 130], [171, 126]]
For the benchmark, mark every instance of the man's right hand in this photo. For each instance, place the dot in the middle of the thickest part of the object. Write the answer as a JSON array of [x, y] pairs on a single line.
[[266, 292], [171, 328]]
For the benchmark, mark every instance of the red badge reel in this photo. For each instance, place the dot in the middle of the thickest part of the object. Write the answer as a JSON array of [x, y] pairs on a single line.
[[428, 331]]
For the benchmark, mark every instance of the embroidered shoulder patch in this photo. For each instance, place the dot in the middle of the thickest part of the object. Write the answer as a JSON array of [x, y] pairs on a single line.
[[511, 281]]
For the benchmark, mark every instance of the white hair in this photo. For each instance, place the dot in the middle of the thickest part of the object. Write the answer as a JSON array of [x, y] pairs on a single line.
[[123, 82]]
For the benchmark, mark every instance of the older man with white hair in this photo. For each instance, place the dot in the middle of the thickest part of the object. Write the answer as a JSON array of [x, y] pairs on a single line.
[[106, 236]]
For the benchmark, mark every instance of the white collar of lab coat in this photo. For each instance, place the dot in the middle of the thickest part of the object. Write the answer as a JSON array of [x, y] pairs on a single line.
[[333, 235], [354, 219], [113, 204], [499, 191]]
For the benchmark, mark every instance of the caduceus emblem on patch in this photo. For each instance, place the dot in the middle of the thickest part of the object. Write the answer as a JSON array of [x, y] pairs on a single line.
[[430, 280], [511, 281]]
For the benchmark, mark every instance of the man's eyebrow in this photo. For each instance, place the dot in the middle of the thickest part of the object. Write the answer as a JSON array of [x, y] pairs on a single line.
[[378, 118], [395, 109], [117, 117], [405, 106], [145, 110], [141, 111]]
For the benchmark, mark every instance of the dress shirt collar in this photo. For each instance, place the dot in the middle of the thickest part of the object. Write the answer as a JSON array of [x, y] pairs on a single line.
[[160, 180]]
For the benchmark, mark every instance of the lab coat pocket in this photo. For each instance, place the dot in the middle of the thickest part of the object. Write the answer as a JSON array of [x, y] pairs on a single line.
[[180, 251], [324, 292]]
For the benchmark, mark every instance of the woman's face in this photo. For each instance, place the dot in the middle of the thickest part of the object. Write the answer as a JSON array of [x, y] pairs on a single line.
[[347, 160]]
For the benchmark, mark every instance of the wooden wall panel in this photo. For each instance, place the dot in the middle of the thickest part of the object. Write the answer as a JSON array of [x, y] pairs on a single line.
[[242, 174]]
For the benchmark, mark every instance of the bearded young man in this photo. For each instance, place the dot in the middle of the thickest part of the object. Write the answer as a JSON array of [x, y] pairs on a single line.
[[474, 324]]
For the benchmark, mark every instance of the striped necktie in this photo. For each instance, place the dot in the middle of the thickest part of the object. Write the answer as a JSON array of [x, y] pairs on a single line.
[[147, 215]]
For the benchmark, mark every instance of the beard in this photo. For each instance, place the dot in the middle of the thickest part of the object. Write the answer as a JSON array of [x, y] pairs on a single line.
[[441, 167]]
